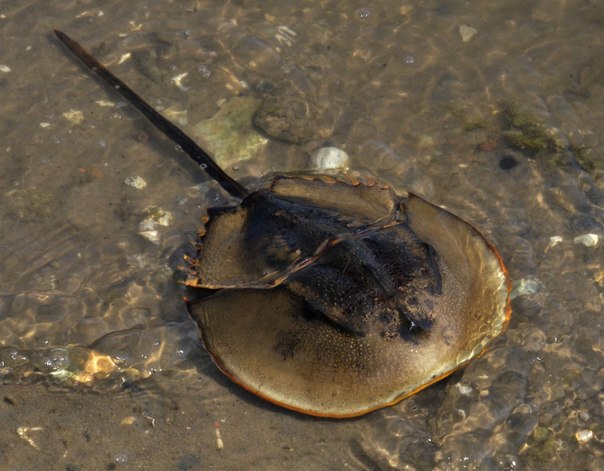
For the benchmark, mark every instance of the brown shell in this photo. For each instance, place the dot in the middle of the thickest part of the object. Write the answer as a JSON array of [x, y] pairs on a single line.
[[329, 360]]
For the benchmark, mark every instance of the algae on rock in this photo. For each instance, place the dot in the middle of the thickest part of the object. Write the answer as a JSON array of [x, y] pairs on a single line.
[[525, 131]]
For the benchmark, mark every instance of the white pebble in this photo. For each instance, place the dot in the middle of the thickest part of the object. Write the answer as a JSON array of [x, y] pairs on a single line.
[[553, 241], [74, 116], [177, 80], [136, 182], [4, 68], [464, 389], [105, 103], [151, 235], [155, 217], [123, 58], [588, 240], [467, 32], [329, 158], [219, 441], [525, 286], [44, 125], [584, 436]]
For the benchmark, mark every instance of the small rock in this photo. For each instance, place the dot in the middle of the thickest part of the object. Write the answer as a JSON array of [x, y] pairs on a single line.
[[4, 68], [553, 241], [74, 116], [534, 340], [105, 103], [229, 135], [178, 81], [128, 420], [588, 240], [467, 32], [136, 182], [292, 118], [330, 158], [159, 216], [540, 434], [525, 286], [155, 216], [149, 234], [584, 436], [464, 389], [488, 145]]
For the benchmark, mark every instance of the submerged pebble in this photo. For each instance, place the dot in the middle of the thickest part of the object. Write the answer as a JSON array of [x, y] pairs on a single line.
[[105, 103], [229, 135], [74, 116], [534, 339], [464, 389], [178, 80], [329, 158], [155, 216], [128, 420], [588, 240], [295, 119], [467, 32], [219, 441], [136, 182], [525, 286], [584, 436], [553, 241]]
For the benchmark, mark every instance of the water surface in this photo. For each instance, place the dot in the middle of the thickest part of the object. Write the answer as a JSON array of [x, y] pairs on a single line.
[[494, 110]]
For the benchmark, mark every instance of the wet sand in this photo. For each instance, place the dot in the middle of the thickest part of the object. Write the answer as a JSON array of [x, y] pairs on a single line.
[[493, 109]]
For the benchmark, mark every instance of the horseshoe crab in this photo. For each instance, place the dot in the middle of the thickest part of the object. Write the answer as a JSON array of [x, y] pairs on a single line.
[[334, 298]]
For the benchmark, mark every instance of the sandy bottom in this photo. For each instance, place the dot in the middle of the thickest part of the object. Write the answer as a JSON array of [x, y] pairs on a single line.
[[494, 110]]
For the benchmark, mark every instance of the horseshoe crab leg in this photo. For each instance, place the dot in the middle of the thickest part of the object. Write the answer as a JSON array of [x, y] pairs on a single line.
[[201, 157]]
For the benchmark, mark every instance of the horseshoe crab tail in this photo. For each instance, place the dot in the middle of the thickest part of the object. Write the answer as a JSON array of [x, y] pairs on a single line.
[[201, 157]]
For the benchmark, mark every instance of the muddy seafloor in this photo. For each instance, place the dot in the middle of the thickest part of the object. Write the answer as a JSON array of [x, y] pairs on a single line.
[[492, 109]]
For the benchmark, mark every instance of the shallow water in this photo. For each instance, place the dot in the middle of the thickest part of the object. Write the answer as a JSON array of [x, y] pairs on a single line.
[[501, 123]]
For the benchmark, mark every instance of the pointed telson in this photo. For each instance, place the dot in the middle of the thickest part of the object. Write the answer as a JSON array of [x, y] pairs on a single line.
[[201, 157]]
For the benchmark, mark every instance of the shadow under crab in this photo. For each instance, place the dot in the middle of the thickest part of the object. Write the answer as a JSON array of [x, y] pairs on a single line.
[[333, 298]]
